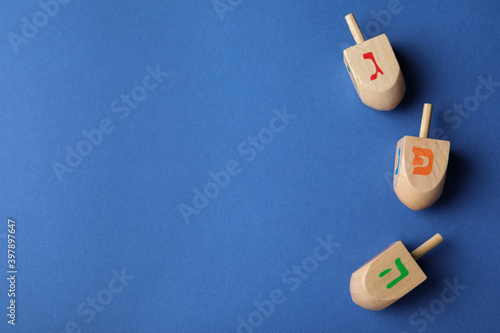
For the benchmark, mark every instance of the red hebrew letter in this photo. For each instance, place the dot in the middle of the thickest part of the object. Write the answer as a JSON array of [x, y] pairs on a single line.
[[370, 56]]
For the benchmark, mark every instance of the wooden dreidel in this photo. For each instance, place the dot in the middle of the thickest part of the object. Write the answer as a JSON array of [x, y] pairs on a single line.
[[389, 276], [374, 69], [420, 166]]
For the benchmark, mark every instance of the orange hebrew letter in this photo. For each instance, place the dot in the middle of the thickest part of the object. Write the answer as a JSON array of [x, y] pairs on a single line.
[[422, 169]]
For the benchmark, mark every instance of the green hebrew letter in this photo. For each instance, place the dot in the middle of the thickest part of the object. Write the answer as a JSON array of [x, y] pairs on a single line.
[[402, 269]]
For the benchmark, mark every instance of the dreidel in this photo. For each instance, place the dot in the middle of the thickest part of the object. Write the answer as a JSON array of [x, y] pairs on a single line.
[[390, 275], [420, 166], [374, 69]]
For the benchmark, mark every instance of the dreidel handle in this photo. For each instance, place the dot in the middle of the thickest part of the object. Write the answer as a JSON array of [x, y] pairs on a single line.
[[354, 27], [426, 121], [427, 246]]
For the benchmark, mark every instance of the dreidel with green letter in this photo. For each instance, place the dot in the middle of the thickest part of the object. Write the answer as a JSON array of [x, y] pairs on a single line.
[[420, 166], [390, 275], [374, 69]]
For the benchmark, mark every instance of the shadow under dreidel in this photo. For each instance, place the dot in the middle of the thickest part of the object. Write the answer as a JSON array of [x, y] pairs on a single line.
[[414, 79], [456, 175]]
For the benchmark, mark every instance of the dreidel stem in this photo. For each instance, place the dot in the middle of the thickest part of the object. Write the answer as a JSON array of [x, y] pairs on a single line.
[[427, 246], [426, 121], [354, 27]]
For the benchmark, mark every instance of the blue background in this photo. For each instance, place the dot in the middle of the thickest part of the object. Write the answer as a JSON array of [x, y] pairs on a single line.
[[328, 172]]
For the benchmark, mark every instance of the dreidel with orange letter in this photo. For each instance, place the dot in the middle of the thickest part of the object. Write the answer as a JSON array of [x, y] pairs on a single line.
[[420, 166], [390, 275], [374, 69]]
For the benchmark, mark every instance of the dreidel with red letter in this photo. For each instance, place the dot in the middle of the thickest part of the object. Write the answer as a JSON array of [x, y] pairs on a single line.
[[374, 69], [420, 166], [390, 275]]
